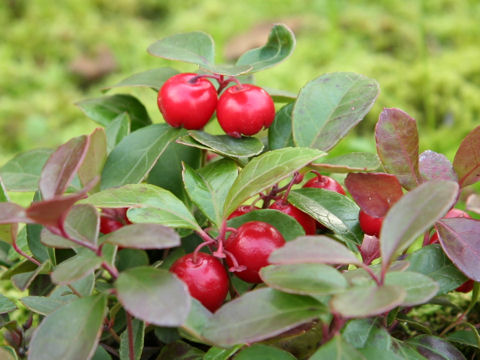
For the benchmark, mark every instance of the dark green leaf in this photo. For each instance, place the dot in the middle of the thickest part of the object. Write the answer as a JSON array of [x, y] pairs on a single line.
[[130, 258], [258, 315], [357, 332], [263, 352], [304, 279], [94, 158], [41, 304], [286, 224], [101, 354], [337, 349], [465, 337], [138, 329], [329, 106], [357, 161], [333, 210], [6, 305], [466, 162], [143, 236], [116, 130], [419, 288], [153, 295], [153, 78], [71, 332], [436, 348], [166, 335], [23, 280], [22, 173], [279, 46], [180, 350], [413, 214], [39, 251], [216, 353], [105, 109], [280, 132], [76, 268], [133, 158]]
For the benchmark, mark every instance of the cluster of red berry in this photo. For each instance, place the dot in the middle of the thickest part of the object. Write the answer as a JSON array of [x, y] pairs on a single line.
[[189, 100]]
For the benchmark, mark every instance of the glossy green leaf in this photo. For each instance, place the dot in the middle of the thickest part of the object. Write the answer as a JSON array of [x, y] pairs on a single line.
[[41, 304], [258, 315], [413, 214], [304, 279], [62, 166], [312, 250], [138, 330], [70, 333], [208, 187], [133, 158], [105, 109], [95, 158], [193, 47], [76, 267], [263, 352], [396, 135], [216, 353], [229, 70], [286, 224], [435, 166], [466, 162], [419, 288], [265, 171], [333, 210], [153, 78], [369, 300], [279, 46], [153, 295], [329, 106], [116, 130], [225, 145], [338, 349], [6, 305], [143, 236], [280, 132], [433, 347], [465, 337], [22, 173], [356, 161], [432, 261]]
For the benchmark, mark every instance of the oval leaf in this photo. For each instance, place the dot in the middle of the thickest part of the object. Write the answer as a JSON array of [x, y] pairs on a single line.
[[265, 171], [95, 157], [357, 161], [467, 159], [263, 352], [375, 193], [433, 347], [329, 106], [6, 305], [419, 288], [397, 146], [41, 304], [154, 78], [153, 295], [280, 132], [76, 267], [143, 236], [435, 166], [338, 349], [75, 339], [258, 315], [413, 214]]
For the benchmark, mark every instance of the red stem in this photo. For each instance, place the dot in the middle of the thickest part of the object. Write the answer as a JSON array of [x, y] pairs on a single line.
[[370, 272], [22, 253], [131, 350]]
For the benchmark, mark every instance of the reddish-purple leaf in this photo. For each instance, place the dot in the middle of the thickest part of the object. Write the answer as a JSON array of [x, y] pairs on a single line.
[[460, 239], [12, 213], [435, 166], [62, 166], [467, 159], [397, 146], [375, 193], [370, 249], [95, 157]]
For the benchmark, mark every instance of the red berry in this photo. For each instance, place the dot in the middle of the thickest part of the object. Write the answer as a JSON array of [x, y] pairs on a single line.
[[325, 182], [113, 219], [453, 213], [206, 279], [245, 110], [370, 225], [108, 225], [242, 210], [466, 287], [252, 244], [187, 100], [307, 222]]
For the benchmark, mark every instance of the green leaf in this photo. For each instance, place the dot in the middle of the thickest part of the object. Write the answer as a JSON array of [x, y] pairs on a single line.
[[432, 261], [208, 187], [22, 173], [8, 353], [70, 333], [313, 250], [154, 78], [39, 251], [304, 279], [143, 236], [413, 214], [197, 319], [216, 353], [229, 70], [76, 267], [155, 205], [433, 347], [153, 295], [286, 224], [94, 158], [101, 354], [352, 162], [369, 300], [280, 132], [279, 46], [105, 109], [130, 258], [333, 210], [465, 337], [263, 352], [41, 304], [133, 158], [180, 350], [329, 106], [192, 47], [265, 171], [223, 144], [337, 349], [419, 288], [138, 329], [116, 130], [371, 352], [6, 305], [258, 315], [84, 287], [22, 281], [357, 332]]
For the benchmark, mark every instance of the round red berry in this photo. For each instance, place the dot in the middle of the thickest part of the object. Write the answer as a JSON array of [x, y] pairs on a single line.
[[251, 245], [242, 210], [466, 287], [245, 110], [187, 100], [370, 225], [108, 225], [205, 276], [325, 182], [453, 213], [307, 222], [113, 219]]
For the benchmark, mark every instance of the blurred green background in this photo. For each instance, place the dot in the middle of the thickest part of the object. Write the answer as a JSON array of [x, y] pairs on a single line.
[[425, 55]]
